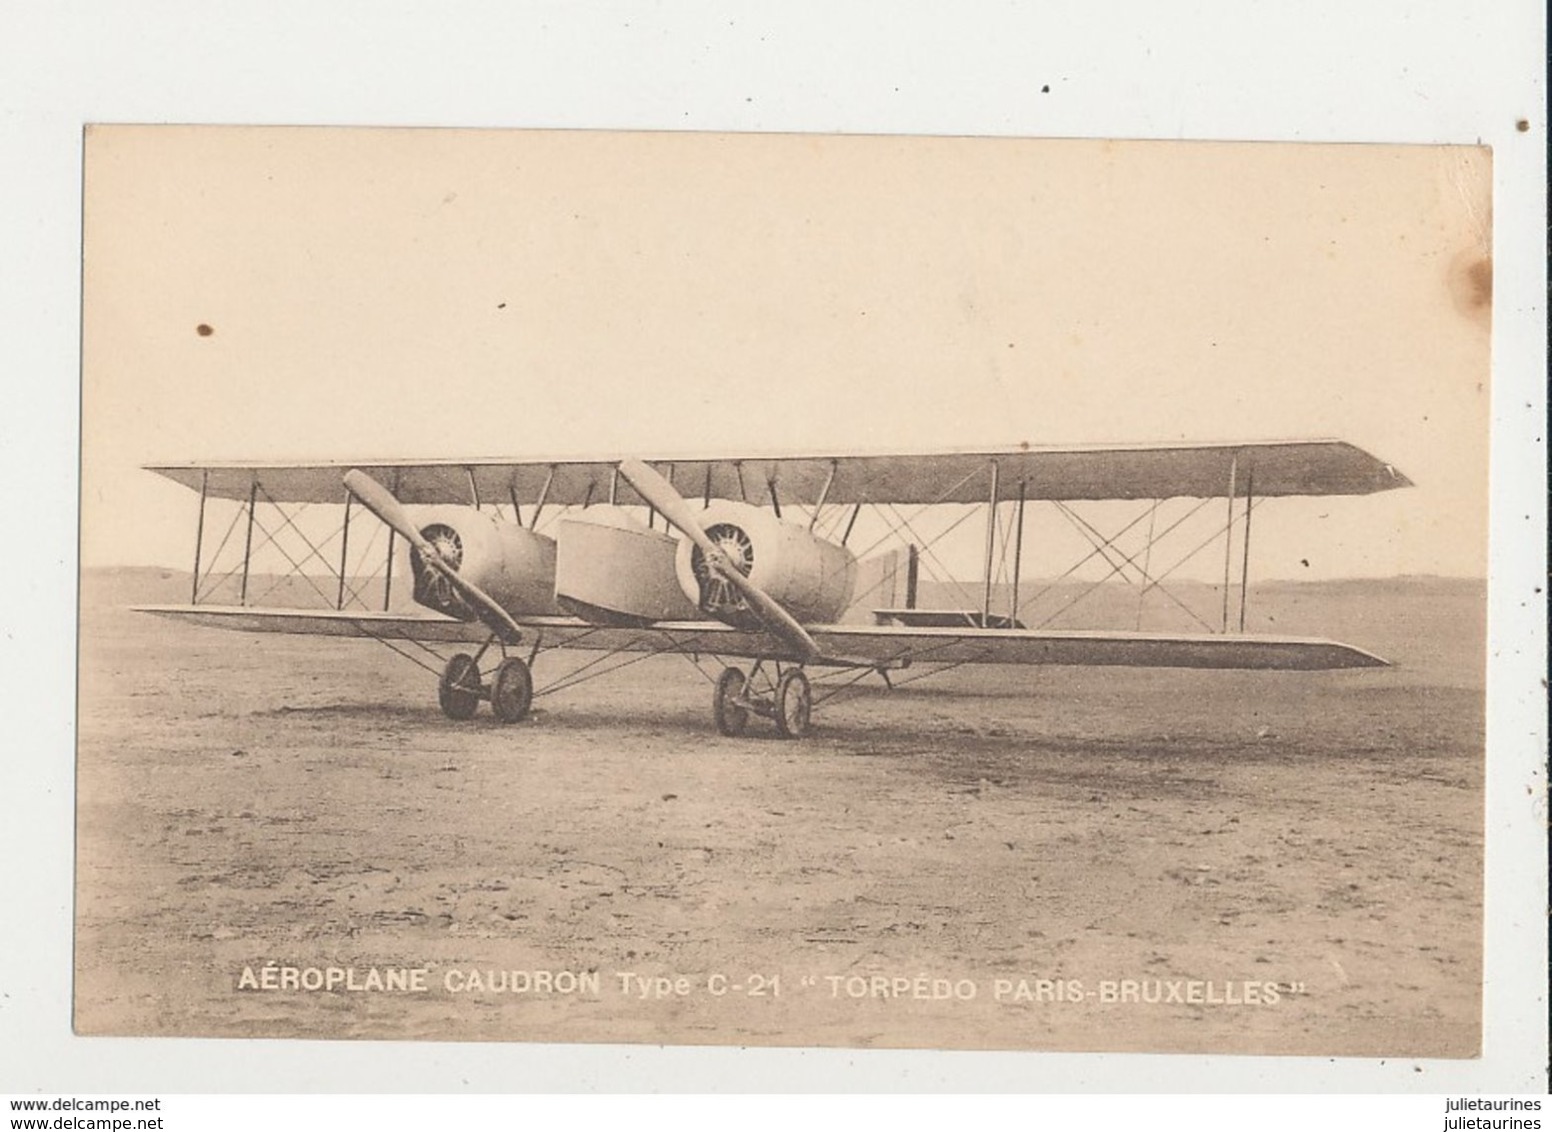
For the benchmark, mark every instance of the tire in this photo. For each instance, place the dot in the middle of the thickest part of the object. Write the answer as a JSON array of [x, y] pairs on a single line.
[[458, 692], [731, 718], [511, 692], [794, 704]]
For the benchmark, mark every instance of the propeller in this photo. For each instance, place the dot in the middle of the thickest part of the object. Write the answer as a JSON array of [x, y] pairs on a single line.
[[380, 501], [659, 493]]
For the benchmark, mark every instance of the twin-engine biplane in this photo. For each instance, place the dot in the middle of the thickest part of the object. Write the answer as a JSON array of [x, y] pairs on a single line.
[[753, 562]]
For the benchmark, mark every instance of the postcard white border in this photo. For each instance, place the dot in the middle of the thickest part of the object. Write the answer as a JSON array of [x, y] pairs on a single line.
[[1327, 71]]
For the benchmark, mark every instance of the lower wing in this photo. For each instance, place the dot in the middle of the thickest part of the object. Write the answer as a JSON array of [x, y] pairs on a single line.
[[883, 646]]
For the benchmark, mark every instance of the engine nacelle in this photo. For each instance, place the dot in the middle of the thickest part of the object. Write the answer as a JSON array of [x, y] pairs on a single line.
[[512, 564], [811, 578]]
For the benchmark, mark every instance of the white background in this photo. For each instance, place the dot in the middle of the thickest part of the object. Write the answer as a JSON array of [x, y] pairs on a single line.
[[1313, 72]]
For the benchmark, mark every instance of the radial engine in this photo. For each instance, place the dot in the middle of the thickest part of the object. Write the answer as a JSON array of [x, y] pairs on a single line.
[[512, 564], [810, 577]]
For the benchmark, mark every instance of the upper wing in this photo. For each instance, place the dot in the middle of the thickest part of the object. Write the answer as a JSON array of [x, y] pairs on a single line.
[[884, 645], [1304, 467]]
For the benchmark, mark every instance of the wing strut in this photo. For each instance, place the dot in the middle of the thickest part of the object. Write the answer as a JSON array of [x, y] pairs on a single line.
[[253, 493], [991, 545], [1244, 568], [544, 494], [1228, 541], [199, 533], [388, 566], [339, 601], [1018, 558], [388, 571], [850, 523], [824, 494]]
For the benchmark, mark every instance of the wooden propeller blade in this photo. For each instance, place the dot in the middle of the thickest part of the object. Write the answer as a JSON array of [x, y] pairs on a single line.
[[380, 501], [661, 494]]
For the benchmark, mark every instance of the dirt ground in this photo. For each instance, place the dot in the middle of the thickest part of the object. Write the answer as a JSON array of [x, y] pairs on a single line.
[[1056, 859]]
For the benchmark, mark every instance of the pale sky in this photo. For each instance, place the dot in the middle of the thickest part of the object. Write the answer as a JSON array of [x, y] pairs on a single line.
[[394, 294]]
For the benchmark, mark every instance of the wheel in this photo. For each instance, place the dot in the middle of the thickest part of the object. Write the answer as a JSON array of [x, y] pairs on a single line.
[[511, 692], [459, 690], [794, 703], [731, 718]]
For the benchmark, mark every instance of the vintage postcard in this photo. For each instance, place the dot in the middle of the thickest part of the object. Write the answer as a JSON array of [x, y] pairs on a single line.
[[783, 590]]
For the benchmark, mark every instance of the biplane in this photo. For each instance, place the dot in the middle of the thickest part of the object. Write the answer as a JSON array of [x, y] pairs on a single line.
[[754, 561]]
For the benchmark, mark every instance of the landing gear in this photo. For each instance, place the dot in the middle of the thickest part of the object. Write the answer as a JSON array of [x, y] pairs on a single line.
[[794, 704], [511, 692], [461, 688], [725, 708], [789, 702], [460, 691]]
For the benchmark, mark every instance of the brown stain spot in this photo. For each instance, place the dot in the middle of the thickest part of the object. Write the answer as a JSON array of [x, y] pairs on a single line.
[[204, 330], [1471, 283], [1523, 125], [1480, 274]]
